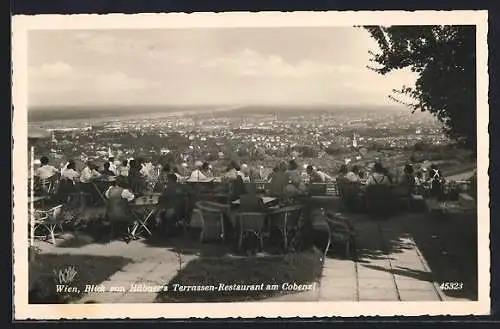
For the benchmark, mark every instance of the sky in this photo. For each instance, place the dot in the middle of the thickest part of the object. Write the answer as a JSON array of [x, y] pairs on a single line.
[[237, 66]]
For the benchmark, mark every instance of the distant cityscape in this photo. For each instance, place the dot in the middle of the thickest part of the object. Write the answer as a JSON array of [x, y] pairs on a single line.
[[251, 134]]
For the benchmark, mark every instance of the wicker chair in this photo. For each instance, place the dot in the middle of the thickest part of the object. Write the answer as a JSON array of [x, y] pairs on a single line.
[[212, 220], [251, 222], [286, 220]]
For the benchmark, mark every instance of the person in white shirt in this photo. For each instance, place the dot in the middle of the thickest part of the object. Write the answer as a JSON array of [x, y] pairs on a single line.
[[245, 173], [353, 175], [88, 173], [69, 172], [118, 210], [46, 170], [198, 176], [317, 176], [112, 166], [124, 193], [123, 169]]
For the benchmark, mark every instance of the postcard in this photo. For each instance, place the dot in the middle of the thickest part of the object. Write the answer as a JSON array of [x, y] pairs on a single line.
[[268, 164]]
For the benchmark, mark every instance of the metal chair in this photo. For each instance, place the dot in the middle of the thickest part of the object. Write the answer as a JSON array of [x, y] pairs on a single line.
[[251, 222], [50, 220]]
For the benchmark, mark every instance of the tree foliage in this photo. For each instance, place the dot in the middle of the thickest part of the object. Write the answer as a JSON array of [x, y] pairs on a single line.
[[444, 59]]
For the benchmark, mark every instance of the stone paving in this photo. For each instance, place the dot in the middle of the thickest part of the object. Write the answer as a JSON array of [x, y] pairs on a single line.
[[388, 267], [377, 273]]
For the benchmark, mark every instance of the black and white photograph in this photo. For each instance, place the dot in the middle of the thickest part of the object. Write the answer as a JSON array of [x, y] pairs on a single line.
[[283, 164]]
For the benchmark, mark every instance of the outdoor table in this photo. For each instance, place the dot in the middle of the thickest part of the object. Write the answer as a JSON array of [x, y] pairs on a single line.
[[267, 200], [143, 209]]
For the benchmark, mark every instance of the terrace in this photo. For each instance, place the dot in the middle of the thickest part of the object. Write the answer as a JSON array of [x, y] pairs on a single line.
[[331, 252]]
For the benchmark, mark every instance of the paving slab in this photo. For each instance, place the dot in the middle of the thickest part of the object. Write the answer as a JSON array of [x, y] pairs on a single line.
[[378, 295], [414, 284], [338, 295], [368, 273], [418, 295], [385, 284], [333, 283]]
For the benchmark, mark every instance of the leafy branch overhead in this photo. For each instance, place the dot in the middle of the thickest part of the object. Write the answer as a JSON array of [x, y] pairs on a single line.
[[444, 58]]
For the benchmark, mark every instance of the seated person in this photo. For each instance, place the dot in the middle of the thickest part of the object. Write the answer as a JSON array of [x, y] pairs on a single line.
[[408, 179], [256, 174], [245, 173], [279, 181], [162, 183], [197, 174], [206, 170], [437, 182], [89, 173], [69, 178], [317, 176], [343, 170], [233, 170], [46, 170], [352, 175], [271, 174], [175, 171], [112, 166], [107, 172], [171, 205], [295, 184], [123, 169], [69, 172], [378, 177], [135, 177], [251, 201], [118, 211]]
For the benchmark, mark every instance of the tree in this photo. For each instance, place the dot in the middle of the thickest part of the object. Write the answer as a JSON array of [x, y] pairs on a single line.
[[444, 59]]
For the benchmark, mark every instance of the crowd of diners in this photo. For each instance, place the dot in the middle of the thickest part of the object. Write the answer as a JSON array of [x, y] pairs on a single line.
[[128, 179]]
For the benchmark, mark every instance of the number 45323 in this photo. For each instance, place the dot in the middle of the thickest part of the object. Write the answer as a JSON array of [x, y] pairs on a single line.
[[451, 286]]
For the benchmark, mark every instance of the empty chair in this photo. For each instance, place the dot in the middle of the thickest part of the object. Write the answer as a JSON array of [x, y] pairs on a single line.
[[251, 223], [317, 231], [50, 220], [212, 223], [342, 233]]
